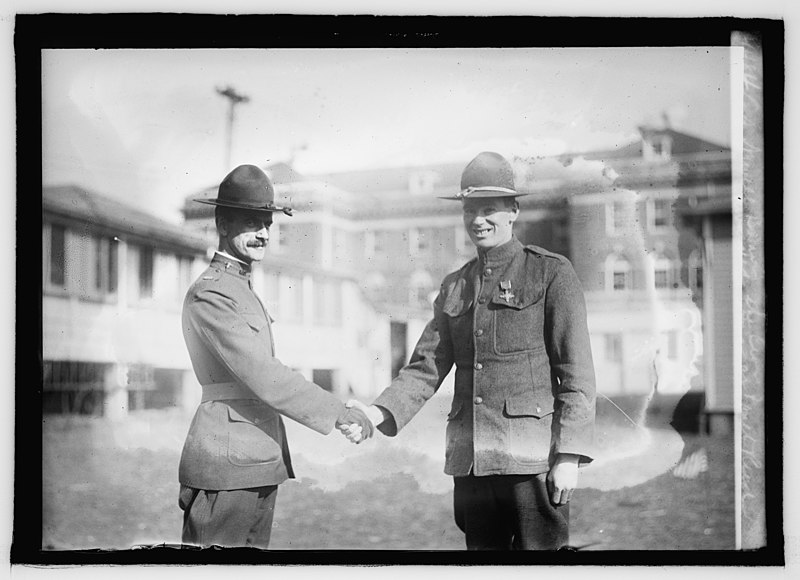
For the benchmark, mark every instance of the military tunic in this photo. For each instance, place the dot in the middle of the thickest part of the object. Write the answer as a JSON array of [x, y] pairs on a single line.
[[513, 321], [237, 438]]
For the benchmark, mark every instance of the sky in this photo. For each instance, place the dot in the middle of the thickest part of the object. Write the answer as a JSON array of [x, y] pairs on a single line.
[[148, 127]]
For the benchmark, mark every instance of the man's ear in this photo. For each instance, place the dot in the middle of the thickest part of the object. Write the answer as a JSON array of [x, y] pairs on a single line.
[[514, 211], [222, 225]]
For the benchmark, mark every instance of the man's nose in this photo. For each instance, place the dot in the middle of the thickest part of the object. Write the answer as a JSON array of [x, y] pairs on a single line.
[[263, 233]]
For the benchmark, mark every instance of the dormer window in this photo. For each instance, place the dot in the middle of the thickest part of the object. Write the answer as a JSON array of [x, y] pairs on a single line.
[[657, 147]]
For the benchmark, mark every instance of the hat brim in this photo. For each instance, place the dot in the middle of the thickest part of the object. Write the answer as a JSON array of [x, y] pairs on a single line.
[[232, 204], [482, 194]]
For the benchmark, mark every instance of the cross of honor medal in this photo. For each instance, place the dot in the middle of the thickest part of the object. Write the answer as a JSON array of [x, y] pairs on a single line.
[[505, 286]]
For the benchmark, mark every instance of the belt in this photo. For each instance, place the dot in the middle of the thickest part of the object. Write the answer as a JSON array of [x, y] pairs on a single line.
[[224, 391]]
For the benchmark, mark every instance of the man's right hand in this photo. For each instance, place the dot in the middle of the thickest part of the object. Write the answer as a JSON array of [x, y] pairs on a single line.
[[375, 415], [355, 425]]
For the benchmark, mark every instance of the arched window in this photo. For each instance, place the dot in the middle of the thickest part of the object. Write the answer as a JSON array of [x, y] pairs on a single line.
[[662, 272]]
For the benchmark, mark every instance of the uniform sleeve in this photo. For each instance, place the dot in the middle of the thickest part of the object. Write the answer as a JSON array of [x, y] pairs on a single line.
[[215, 319], [419, 380], [569, 349]]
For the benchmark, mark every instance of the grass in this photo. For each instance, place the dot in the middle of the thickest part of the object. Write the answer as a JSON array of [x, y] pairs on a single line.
[[115, 486]]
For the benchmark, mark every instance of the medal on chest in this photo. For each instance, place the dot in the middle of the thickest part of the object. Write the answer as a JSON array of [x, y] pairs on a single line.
[[505, 286]]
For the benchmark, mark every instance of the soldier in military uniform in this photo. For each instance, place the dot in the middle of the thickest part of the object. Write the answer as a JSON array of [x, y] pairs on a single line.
[[236, 454], [513, 321]]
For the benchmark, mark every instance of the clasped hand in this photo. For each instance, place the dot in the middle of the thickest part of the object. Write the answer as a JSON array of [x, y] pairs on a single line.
[[360, 430]]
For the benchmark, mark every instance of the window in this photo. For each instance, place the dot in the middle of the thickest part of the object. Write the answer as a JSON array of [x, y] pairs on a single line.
[[658, 148], [105, 265], [662, 273], [659, 213], [618, 273], [72, 387], [422, 182], [58, 263], [421, 240], [375, 242], [614, 348], [145, 272], [616, 217]]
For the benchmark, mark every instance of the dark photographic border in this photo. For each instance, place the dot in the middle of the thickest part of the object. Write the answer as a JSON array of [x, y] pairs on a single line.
[[764, 171]]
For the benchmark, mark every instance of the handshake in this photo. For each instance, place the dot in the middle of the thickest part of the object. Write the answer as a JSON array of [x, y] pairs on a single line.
[[358, 422]]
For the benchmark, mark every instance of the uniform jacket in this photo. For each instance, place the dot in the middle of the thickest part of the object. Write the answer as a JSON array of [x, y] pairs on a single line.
[[513, 321], [237, 438]]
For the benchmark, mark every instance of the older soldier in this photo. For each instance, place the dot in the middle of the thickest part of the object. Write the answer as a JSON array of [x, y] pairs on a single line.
[[235, 454], [513, 321]]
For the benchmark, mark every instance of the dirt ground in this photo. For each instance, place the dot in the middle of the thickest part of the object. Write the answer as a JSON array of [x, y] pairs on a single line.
[[114, 486]]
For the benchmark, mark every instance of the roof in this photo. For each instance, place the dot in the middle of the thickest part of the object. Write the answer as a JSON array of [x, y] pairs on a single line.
[[119, 219], [681, 144]]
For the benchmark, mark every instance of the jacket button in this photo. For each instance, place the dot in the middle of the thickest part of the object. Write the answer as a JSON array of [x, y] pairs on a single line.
[[481, 300], [478, 400], [479, 332], [487, 272], [538, 409], [478, 366]]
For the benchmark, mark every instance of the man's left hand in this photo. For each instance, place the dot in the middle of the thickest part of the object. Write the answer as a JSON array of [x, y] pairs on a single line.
[[563, 478]]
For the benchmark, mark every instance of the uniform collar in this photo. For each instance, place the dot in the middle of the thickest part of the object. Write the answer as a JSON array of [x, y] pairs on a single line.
[[501, 254], [230, 264]]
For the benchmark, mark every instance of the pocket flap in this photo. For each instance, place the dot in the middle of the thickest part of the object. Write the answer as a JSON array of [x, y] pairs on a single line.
[[527, 405], [518, 299], [254, 413]]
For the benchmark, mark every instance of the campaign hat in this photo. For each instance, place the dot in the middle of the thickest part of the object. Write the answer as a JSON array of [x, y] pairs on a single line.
[[489, 174], [247, 187]]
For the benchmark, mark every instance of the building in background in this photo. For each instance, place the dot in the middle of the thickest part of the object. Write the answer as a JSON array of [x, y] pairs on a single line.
[[350, 277], [113, 284]]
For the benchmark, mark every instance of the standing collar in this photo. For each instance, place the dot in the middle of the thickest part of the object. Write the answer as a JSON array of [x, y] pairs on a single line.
[[231, 264], [501, 254]]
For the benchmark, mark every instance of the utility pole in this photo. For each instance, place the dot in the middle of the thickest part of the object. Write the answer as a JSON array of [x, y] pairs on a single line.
[[234, 99]]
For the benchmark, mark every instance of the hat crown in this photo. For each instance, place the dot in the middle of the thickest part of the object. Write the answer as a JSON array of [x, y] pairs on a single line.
[[247, 185], [490, 171]]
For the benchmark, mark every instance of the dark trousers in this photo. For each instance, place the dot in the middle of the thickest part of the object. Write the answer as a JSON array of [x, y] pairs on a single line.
[[233, 518], [509, 512]]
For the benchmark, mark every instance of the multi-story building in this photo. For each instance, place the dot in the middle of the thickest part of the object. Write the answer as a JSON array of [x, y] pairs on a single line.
[[113, 283], [612, 213]]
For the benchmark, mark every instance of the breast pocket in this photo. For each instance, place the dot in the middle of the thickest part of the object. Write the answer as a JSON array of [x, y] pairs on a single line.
[[252, 434], [518, 323]]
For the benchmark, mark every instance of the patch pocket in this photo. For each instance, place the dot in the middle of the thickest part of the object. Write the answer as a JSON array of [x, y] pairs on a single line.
[[518, 322], [527, 405], [252, 432], [529, 421]]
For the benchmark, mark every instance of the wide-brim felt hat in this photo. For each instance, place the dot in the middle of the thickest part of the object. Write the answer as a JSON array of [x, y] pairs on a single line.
[[489, 174], [247, 187]]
